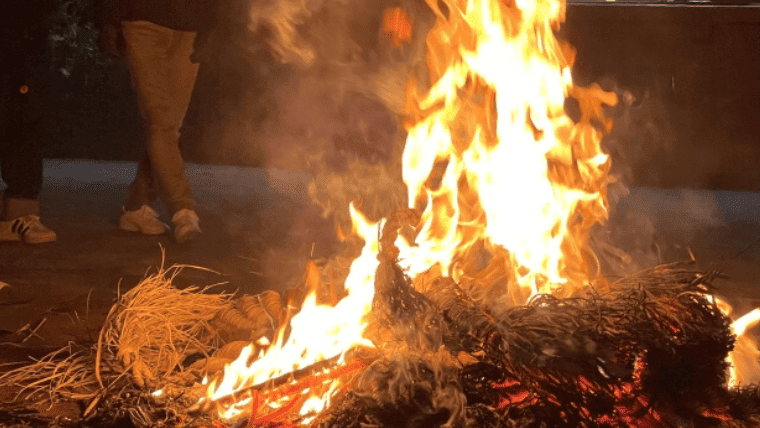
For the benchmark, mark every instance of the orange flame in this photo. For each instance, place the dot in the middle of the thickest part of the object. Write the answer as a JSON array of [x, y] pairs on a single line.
[[517, 171], [491, 156], [318, 332], [398, 26], [744, 359], [313, 280]]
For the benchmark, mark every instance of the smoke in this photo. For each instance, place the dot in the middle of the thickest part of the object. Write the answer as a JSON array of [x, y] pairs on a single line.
[[642, 131], [339, 113], [650, 225], [279, 21], [317, 86], [314, 86]]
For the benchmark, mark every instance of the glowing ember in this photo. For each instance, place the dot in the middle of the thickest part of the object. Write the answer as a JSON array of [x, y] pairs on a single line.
[[398, 26]]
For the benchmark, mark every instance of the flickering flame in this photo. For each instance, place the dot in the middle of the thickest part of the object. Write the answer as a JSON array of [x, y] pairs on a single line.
[[318, 332], [517, 171], [397, 26], [744, 359], [490, 156]]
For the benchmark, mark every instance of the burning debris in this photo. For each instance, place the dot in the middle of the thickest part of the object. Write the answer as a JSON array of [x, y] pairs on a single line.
[[649, 350], [479, 305]]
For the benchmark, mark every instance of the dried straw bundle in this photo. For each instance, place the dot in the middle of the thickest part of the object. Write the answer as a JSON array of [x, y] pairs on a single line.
[[64, 374], [146, 337], [250, 318], [155, 326]]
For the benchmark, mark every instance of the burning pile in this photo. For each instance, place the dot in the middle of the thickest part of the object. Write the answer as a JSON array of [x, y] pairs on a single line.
[[504, 188], [651, 351], [481, 304]]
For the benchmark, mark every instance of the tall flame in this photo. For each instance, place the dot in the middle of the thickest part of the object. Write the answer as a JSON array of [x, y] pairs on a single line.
[[517, 171]]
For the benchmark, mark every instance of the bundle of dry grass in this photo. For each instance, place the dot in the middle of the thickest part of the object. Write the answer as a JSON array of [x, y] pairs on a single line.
[[148, 334], [155, 326], [66, 373], [250, 318]]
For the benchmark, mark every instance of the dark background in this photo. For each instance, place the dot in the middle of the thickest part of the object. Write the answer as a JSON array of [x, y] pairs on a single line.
[[692, 73], [696, 72]]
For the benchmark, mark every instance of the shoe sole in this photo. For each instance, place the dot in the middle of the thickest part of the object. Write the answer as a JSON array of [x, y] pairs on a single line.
[[187, 237], [40, 240], [131, 227]]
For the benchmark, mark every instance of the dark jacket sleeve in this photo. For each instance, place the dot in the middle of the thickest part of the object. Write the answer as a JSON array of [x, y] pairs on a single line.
[[182, 15]]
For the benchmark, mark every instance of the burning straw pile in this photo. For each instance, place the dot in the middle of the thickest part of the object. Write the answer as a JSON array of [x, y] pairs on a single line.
[[504, 188], [649, 350]]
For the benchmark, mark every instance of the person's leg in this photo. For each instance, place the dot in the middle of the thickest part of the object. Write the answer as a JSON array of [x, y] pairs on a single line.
[[21, 159], [142, 191], [138, 215], [163, 82], [22, 173], [163, 76], [21, 166], [183, 73], [144, 46], [179, 198]]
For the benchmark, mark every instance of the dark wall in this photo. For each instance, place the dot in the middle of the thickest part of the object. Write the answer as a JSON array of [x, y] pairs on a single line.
[[695, 74], [693, 118]]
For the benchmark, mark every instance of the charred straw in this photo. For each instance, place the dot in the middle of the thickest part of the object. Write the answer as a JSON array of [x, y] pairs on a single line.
[[648, 348]]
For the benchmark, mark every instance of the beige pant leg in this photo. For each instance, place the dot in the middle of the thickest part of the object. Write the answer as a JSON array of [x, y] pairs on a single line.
[[163, 77]]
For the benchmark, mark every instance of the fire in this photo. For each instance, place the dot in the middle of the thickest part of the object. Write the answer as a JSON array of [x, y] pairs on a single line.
[[398, 26], [517, 171], [318, 332], [491, 156], [744, 359]]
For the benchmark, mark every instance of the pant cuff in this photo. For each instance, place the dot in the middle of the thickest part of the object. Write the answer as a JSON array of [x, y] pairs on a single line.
[[19, 207]]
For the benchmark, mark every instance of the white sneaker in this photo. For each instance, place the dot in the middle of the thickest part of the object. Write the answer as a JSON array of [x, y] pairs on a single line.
[[185, 225], [26, 228], [145, 220]]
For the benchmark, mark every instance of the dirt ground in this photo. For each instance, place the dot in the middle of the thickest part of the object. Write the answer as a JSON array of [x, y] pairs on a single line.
[[249, 216], [257, 223]]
